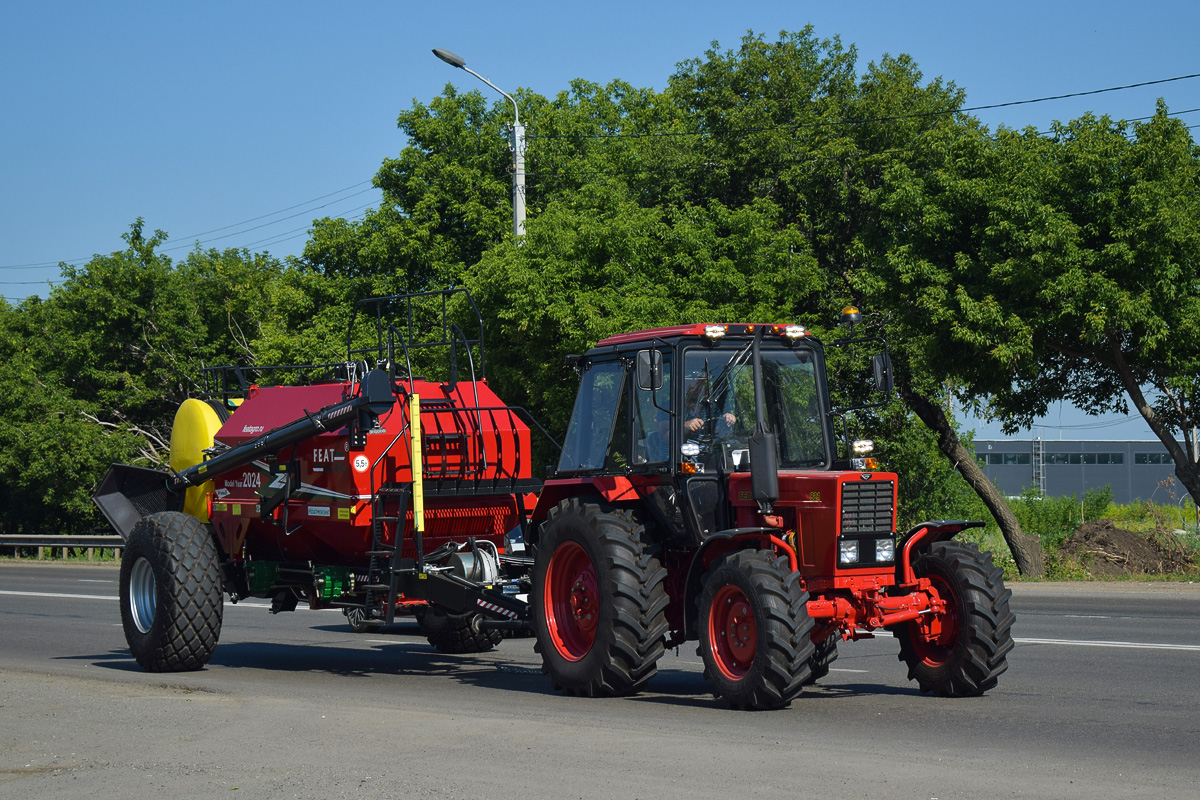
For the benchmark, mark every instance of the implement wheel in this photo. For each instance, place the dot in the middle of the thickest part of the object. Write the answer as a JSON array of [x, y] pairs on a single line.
[[599, 604], [456, 635], [963, 651], [824, 654], [755, 632], [171, 601]]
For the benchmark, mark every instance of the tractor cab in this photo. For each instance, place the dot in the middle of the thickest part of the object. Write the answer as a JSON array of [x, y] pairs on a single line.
[[670, 415]]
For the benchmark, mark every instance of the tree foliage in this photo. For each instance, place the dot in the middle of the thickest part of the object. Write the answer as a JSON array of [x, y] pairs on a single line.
[[774, 181]]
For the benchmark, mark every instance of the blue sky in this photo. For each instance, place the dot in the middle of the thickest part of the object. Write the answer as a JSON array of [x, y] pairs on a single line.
[[237, 123]]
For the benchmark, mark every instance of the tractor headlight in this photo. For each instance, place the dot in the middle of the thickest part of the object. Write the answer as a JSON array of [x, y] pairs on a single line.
[[885, 550], [848, 551], [794, 331], [714, 331]]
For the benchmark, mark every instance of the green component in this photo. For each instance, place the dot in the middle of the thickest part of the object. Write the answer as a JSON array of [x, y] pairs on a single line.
[[333, 582], [261, 576]]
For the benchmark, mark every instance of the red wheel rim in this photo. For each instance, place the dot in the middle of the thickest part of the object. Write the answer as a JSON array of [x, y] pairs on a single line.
[[572, 601], [732, 632], [935, 636]]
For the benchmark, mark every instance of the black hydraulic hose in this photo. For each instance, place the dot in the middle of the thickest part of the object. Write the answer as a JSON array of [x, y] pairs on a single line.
[[375, 394]]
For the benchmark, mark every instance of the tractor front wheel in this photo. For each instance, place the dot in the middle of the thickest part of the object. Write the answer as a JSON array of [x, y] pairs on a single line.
[[961, 651], [755, 632], [171, 603], [598, 600]]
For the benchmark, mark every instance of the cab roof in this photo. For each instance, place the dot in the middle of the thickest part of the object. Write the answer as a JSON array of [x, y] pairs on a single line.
[[731, 329]]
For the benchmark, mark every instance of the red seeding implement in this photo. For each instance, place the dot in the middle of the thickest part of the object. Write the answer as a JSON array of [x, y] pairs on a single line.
[[699, 495]]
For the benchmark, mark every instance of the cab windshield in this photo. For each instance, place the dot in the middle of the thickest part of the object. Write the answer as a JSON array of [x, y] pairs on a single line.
[[718, 406]]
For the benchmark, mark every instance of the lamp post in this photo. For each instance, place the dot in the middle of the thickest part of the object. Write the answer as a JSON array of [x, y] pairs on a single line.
[[517, 142]]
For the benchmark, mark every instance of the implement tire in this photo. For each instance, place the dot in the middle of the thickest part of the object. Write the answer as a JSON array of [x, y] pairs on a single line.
[[171, 602], [598, 601], [824, 654], [456, 635], [755, 632], [962, 652]]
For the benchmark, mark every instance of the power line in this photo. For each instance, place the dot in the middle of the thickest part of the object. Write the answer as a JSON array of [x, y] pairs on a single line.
[[914, 115], [45, 264], [264, 225], [292, 234]]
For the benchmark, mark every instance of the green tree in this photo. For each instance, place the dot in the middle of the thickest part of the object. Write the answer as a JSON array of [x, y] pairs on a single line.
[[95, 372], [1057, 267]]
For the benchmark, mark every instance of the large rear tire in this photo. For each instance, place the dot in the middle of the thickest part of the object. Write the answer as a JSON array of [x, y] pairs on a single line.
[[599, 602], [456, 635], [755, 632], [962, 652], [171, 603]]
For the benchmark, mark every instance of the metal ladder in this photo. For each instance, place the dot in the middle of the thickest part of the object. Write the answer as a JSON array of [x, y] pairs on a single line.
[[1039, 465]]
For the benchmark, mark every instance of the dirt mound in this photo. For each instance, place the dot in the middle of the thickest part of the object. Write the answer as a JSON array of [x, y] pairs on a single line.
[[1105, 550]]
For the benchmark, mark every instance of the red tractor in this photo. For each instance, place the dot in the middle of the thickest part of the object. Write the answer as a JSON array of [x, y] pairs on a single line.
[[699, 495]]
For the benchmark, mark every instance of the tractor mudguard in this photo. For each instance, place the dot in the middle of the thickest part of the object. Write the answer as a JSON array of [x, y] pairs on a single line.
[[922, 535], [720, 542]]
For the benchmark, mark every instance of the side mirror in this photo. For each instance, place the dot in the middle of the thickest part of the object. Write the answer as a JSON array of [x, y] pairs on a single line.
[[882, 366], [764, 470], [649, 370]]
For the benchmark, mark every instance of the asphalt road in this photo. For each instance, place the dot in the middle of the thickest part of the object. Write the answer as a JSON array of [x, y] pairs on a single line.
[[1101, 700]]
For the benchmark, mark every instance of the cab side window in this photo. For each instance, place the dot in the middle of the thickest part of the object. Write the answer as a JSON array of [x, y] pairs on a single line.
[[651, 423], [595, 421]]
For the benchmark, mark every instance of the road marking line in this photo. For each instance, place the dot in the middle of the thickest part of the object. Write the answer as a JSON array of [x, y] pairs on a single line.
[[1127, 645], [109, 597], [840, 669], [57, 594], [93, 580]]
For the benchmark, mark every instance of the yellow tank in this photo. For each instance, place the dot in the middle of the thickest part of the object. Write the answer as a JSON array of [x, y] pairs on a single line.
[[196, 423]]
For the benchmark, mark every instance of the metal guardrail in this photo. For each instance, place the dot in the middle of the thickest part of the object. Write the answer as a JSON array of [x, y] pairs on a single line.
[[20, 540], [17, 541]]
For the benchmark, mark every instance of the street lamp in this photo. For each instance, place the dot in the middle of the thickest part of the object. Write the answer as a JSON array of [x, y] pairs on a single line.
[[517, 142]]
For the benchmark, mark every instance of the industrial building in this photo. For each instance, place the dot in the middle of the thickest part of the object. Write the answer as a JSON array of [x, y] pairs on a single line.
[[1135, 470]]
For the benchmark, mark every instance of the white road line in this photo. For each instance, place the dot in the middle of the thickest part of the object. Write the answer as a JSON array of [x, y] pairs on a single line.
[[56, 594], [839, 669], [1127, 645], [109, 597], [93, 580]]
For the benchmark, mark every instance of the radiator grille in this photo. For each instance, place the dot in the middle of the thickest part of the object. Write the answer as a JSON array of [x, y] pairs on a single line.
[[867, 507]]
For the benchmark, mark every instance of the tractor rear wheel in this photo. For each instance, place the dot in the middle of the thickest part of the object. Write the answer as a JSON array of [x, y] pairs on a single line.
[[171, 603], [963, 651], [456, 635], [755, 632], [599, 602]]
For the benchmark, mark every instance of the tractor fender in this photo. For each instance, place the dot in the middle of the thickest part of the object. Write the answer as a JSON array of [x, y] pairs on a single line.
[[613, 490], [921, 536], [717, 546]]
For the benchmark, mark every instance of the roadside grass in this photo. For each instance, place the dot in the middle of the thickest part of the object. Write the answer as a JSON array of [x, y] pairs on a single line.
[[1054, 519]]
